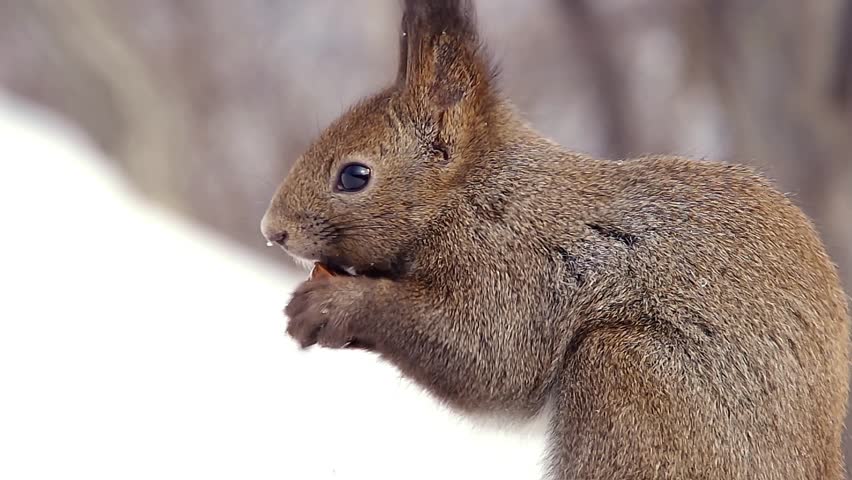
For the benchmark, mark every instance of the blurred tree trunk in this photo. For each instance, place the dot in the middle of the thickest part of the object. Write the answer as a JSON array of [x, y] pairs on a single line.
[[149, 137], [841, 83], [589, 32]]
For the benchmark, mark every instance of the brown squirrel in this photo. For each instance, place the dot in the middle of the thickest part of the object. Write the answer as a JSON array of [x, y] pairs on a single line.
[[682, 316]]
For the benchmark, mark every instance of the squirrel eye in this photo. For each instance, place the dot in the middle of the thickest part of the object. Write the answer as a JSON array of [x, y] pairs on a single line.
[[353, 177]]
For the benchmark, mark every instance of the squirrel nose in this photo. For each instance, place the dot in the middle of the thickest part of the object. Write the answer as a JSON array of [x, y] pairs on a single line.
[[279, 238], [273, 233]]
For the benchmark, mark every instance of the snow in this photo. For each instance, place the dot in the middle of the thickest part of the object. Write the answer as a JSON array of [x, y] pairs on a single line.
[[136, 345]]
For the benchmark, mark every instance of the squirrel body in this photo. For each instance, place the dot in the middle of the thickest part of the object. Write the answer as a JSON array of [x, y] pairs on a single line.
[[681, 316]]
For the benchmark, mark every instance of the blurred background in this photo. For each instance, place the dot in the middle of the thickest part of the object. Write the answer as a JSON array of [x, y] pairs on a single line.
[[203, 106], [206, 104]]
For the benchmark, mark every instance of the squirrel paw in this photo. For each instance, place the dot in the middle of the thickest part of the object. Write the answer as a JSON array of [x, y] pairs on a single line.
[[325, 311]]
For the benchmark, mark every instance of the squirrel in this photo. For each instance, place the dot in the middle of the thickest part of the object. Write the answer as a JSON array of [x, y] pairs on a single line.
[[682, 316]]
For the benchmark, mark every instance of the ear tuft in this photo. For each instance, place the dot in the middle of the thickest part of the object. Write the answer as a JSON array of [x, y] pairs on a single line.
[[441, 59], [455, 16]]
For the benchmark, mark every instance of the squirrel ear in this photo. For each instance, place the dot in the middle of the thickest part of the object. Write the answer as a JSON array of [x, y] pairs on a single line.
[[441, 61]]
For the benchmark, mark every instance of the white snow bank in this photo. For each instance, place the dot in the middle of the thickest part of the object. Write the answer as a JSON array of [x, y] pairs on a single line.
[[133, 345]]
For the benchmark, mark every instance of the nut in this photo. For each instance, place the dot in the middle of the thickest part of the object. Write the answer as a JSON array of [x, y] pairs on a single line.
[[320, 271]]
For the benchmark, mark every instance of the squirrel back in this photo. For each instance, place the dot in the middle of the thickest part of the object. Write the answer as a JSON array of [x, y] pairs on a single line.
[[681, 316]]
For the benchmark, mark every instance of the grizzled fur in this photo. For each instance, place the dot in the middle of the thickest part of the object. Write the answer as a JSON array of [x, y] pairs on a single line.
[[682, 316]]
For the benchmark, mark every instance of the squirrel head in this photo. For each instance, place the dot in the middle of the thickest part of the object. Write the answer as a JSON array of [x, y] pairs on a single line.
[[388, 169]]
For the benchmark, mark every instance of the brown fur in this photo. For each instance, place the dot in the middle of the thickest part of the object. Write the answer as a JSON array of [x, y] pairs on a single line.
[[682, 316]]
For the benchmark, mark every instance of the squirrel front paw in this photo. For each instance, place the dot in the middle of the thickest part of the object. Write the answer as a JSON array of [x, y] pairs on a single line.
[[328, 311]]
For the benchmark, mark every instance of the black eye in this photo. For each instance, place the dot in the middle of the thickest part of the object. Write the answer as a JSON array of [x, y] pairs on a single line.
[[353, 177]]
